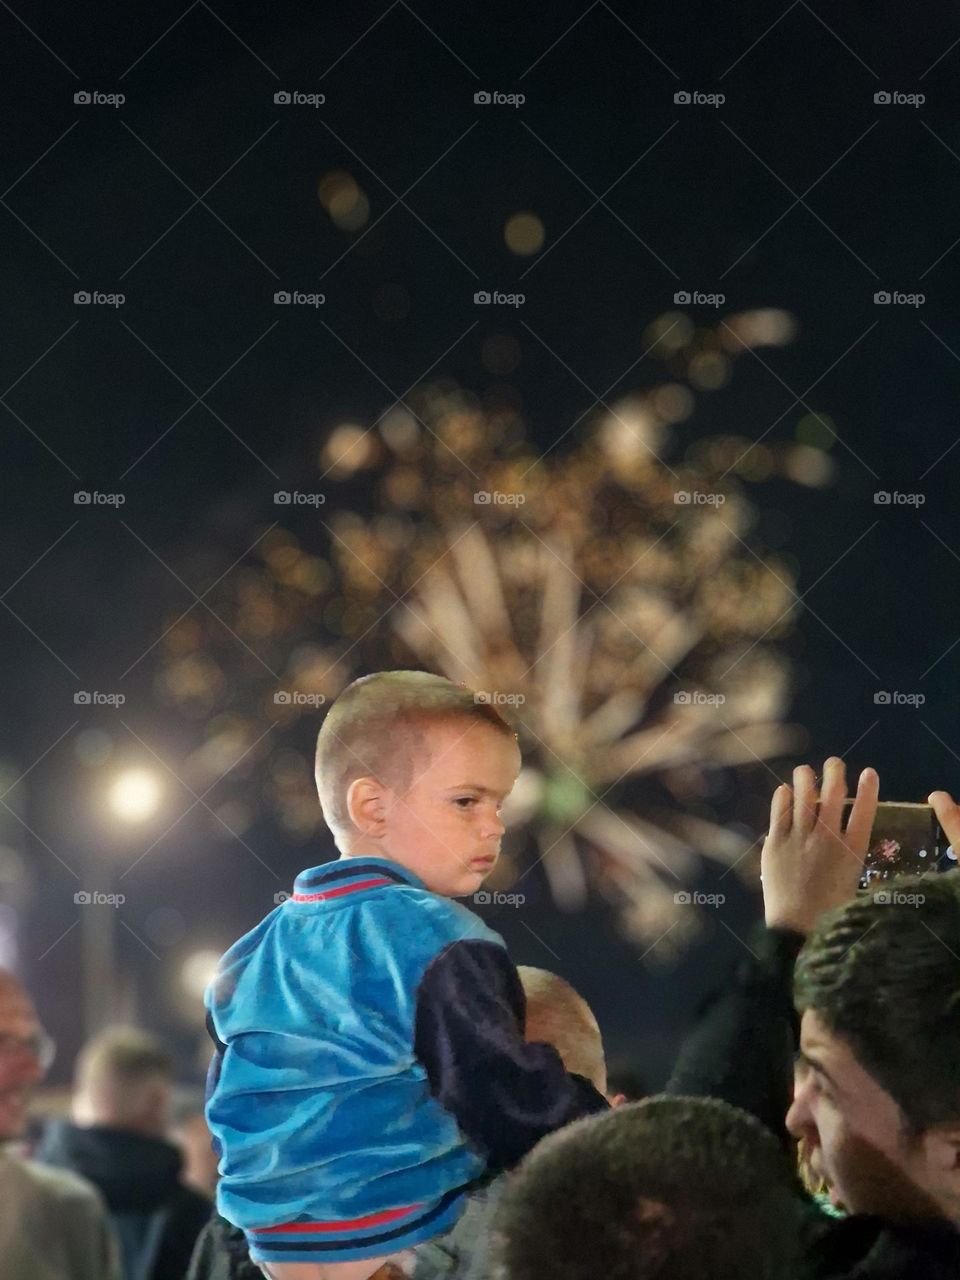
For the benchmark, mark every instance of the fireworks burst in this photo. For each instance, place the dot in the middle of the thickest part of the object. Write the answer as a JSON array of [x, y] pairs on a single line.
[[610, 600]]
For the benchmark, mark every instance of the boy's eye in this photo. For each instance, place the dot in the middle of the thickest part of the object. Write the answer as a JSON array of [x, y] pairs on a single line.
[[466, 800]]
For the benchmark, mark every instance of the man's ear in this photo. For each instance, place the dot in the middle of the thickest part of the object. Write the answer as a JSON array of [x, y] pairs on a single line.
[[367, 806], [943, 1148]]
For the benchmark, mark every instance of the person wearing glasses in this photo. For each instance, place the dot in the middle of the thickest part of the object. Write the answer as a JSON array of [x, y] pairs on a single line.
[[53, 1225]]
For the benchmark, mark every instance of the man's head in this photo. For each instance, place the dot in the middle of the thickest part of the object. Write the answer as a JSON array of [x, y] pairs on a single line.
[[559, 1016], [664, 1189], [877, 1099], [124, 1080], [410, 767], [21, 1056]]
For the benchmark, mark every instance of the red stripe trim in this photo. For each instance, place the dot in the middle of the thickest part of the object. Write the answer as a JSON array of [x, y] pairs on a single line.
[[373, 1220], [337, 893]]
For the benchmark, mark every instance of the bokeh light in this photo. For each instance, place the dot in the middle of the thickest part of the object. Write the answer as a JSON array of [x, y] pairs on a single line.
[[135, 795], [198, 971], [524, 234]]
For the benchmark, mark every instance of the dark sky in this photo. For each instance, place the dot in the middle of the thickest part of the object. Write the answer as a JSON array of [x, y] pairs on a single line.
[[197, 199]]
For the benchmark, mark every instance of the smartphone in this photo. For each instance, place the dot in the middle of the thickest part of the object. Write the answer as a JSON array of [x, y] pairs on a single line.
[[906, 840]]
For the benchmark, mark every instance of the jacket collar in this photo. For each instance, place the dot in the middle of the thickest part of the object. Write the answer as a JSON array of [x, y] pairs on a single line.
[[350, 876]]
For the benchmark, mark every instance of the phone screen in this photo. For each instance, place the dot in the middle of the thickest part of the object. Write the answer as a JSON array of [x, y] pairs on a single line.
[[906, 840]]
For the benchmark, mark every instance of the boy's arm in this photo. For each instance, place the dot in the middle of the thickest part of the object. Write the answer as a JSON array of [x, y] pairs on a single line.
[[506, 1094]]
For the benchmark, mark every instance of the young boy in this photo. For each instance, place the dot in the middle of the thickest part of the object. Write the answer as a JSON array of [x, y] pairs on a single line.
[[371, 1068]]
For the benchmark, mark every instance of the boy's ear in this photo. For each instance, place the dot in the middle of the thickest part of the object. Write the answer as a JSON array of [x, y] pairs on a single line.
[[366, 804]]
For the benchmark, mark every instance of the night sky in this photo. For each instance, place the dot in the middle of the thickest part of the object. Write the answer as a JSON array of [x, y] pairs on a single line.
[[198, 397]]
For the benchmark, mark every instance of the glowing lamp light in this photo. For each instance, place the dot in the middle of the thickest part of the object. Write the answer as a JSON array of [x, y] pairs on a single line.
[[135, 795], [198, 972]]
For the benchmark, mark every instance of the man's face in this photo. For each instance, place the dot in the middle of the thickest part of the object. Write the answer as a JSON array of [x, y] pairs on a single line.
[[852, 1134], [20, 1068], [447, 828]]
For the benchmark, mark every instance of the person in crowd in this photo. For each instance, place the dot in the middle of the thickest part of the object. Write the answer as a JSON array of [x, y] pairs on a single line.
[[369, 1001], [555, 1014], [116, 1138], [670, 1188], [53, 1224], [875, 1103], [191, 1133]]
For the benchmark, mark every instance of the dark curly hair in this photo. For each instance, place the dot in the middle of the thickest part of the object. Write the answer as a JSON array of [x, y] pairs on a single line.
[[882, 972], [670, 1188]]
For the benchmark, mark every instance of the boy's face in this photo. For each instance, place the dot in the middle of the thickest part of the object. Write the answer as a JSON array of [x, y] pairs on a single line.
[[447, 828]]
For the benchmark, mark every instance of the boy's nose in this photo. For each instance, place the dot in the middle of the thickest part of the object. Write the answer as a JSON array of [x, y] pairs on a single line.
[[496, 828]]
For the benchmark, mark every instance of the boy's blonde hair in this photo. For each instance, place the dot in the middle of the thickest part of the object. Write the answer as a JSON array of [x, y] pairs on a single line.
[[377, 728], [557, 1014]]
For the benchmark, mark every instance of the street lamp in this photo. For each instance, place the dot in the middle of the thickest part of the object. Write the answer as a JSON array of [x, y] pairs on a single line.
[[133, 797]]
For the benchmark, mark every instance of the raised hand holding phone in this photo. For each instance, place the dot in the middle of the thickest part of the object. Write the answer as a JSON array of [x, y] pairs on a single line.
[[948, 815], [808, 864]]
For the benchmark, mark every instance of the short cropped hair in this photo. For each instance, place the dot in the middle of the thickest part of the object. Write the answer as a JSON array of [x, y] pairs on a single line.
[[121, 1058], [882, 973], [559, 1015], [377, 728], [670, 1188]]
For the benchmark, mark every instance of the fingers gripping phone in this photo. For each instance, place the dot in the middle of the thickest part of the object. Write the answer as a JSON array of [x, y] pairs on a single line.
[[906, 839]]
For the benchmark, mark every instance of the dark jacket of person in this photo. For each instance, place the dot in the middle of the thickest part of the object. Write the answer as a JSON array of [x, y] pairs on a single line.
[[222, 1253], [156, 1218], [742, 1051]]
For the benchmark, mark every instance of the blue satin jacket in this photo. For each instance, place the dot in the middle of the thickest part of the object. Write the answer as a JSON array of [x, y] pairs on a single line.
[[370, 1067]]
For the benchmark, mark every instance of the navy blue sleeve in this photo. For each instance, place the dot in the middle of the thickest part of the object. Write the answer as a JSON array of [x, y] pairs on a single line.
[[506, 1094]]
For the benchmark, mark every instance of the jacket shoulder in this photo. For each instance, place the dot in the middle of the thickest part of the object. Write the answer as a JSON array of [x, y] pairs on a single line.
[[426, 921], [59, 1186]]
